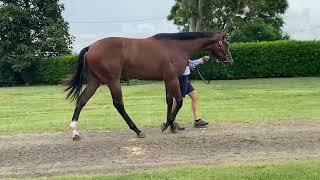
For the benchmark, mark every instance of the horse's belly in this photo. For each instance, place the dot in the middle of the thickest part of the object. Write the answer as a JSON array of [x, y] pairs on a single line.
[[144, 74]]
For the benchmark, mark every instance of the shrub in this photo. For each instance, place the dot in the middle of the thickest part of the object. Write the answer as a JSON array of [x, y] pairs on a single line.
[[266, 60], [53, 70]]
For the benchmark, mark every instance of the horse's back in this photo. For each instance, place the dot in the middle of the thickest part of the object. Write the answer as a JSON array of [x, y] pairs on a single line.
[[139, 58]]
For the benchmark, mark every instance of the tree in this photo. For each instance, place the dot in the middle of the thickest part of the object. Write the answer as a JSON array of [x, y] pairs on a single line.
[[255, 30], [229, 15], [28, 28], [194, 13], [52, 32]]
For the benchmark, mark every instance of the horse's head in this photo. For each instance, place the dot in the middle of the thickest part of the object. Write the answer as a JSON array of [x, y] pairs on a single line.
[[219, 46]]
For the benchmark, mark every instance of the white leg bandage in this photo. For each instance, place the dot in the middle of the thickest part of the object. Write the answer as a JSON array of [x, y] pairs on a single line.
[[73, 126], [74, 133]]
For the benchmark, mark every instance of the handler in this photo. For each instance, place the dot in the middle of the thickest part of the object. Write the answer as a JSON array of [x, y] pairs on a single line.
[[187, 89]]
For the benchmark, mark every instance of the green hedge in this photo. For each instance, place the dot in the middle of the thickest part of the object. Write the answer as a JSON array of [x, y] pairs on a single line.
[[267, 59], [252, 60], [7, 76], [53, 70]]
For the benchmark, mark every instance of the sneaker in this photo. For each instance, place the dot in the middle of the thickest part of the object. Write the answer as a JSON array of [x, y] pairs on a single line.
[[200, 123], [179, 126]]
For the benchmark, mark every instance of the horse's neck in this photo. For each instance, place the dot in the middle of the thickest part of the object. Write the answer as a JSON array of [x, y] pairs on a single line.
[[190, 47]]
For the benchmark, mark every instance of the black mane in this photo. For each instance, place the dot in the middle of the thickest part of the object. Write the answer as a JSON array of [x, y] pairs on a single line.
[[184, 35]]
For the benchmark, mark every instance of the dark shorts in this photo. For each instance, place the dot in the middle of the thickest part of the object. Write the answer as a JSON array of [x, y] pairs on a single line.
[[185, 85]]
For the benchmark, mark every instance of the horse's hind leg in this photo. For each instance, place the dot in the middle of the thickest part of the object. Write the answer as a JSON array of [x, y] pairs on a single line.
[[88, 92], [115, 89]]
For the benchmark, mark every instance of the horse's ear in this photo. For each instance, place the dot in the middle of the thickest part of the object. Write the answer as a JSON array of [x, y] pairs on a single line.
[[219, 36], [223, 35]]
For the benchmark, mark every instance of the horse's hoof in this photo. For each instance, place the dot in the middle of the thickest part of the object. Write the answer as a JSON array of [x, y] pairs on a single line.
[[76, 138], [141, 135], [174, 130], [164, 126]]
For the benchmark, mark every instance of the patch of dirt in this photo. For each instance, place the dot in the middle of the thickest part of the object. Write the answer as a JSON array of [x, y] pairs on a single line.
[[120, 151]]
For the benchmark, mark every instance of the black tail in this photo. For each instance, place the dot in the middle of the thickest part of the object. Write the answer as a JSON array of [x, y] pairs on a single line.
[[74, 82]]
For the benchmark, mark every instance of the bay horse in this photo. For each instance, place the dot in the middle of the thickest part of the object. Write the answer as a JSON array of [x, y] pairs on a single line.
[[160, 57]]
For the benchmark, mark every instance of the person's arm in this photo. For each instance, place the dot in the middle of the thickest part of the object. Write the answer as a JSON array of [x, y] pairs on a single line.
[[194, 63]]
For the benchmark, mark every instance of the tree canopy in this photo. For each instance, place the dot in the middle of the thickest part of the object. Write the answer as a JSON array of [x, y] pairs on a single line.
[[243, 20], [29, 29]]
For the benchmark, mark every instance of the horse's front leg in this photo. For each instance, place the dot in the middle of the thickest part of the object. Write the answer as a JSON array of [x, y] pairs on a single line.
[[169, 100], [172, 90]]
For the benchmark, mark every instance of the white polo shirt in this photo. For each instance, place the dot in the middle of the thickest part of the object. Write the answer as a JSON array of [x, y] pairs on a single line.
[[192, 64]]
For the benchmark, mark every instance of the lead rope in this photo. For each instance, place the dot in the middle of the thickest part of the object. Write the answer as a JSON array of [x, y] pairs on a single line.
[[204, 80]]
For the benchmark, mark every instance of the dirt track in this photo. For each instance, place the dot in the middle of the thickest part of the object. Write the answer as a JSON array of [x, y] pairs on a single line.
[[119, 150]]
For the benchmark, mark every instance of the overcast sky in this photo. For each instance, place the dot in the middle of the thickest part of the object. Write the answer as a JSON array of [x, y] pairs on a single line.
[[95, 19]]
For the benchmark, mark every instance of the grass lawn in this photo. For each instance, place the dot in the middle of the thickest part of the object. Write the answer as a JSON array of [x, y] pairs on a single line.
[[278, 171], [39, 109]]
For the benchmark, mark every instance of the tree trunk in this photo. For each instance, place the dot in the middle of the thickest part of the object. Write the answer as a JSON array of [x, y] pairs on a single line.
[[192, 25], [200, 16], [195, 22]]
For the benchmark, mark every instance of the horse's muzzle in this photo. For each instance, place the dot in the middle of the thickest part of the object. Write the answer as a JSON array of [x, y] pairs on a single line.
[[228, 62]]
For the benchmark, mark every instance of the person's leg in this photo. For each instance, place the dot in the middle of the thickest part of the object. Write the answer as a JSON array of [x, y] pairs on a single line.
[[194, 104], [193, 94]]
